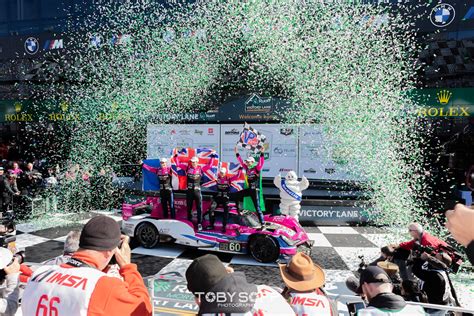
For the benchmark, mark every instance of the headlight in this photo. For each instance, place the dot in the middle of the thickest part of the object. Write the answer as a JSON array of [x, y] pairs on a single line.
[[289, 241]]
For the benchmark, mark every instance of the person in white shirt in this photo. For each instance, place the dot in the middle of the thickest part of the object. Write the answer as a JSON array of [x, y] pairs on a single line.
[[9, 279]]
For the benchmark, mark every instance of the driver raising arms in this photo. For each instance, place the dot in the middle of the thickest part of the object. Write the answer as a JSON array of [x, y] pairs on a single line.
[[193, 193], [253, 177], [166, 190]]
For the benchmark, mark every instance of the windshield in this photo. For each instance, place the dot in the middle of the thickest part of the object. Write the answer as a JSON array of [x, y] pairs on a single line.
[[250, 219]]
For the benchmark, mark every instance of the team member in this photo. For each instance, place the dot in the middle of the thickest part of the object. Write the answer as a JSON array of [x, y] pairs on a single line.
[[224, 183], [193, 192], [253, 177], [166, 190], [81, 287]]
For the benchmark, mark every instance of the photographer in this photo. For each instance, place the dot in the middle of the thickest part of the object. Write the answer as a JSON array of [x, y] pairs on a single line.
[[460, 223], [420, 238], [9, 279], [433, 272], [92, 291], [375, 285]]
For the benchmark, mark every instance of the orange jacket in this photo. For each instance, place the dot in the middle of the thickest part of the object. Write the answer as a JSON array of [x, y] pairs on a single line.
[[112, 296]]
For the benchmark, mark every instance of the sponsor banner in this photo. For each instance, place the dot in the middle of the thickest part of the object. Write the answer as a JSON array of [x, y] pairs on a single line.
[[280, 146], [161, 138], [441, 103], [317, 157], [324, 214], [33, 45]]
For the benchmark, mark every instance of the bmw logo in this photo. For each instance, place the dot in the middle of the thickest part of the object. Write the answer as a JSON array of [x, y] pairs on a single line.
[[442, 15], [31, 45]]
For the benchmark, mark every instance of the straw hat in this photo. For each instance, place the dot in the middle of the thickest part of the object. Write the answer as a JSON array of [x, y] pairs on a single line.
[[389, 267], [301, 274]]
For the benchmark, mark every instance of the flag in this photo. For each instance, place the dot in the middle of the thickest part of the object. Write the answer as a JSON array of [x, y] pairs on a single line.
[[150, 180], [209, 176], [251, 139], [179, 180], [232, 170]]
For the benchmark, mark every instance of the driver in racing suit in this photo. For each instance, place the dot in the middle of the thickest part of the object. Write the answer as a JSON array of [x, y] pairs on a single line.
[[253, 177], [193, 193], [166, 190], [224, 183]]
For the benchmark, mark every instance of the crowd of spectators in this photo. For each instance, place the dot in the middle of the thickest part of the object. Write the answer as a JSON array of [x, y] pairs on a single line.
[[22, 183], [115, 287]]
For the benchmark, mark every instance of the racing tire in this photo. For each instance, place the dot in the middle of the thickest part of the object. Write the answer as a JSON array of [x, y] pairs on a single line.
[[147, 235], [264, 248]]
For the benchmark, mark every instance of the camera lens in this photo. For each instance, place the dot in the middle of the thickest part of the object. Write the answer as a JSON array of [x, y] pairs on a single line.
[[21, 256]]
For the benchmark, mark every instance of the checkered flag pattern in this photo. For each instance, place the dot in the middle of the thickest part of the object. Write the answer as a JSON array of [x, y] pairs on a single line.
[[251, 139]]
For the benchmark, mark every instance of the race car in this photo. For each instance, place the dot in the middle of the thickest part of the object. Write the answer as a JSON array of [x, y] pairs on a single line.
[[280, 238]]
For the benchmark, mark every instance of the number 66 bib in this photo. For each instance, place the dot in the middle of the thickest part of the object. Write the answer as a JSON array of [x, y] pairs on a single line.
[[56, 291]]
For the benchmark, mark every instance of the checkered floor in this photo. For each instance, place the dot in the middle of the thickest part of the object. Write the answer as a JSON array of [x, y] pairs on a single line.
[[336, 249]]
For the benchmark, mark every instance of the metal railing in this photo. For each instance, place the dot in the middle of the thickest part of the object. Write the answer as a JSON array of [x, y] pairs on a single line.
[[344, 299]]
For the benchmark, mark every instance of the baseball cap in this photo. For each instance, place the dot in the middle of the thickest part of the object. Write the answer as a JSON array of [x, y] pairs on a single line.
[[163, 160], [204, 272], [194, 159], [372, 274], [100, 233]]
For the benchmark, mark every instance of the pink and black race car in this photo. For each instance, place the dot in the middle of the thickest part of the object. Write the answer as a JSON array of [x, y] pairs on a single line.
[[281, 237]]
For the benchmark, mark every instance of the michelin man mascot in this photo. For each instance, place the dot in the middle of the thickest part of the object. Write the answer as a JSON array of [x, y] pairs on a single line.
[[290, 193]]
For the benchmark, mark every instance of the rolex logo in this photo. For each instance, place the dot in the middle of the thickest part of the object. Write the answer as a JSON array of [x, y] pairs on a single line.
[[18, 107], [64, 106], [444, 96]]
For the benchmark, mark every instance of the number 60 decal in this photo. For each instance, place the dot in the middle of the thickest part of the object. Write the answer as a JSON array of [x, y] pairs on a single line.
[[43, 309]]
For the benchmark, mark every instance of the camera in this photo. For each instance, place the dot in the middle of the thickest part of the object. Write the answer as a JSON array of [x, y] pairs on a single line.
[[362, 264], [354, 307]]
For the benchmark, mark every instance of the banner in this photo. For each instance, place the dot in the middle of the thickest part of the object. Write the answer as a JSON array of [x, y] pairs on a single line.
[[317, 157], [161, 138]]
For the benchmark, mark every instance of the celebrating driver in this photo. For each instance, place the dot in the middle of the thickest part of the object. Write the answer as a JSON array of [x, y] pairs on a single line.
[[166, 191], [194, 174], [253, 177], [224, 183]]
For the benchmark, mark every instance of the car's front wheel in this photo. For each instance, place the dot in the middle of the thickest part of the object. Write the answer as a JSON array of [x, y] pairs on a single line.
[[147, 235], [264, 248]]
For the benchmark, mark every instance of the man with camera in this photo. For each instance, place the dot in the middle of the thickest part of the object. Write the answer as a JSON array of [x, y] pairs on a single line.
[[376, 287], [421, 238], [435, 282], [81, 286], [9, 279]]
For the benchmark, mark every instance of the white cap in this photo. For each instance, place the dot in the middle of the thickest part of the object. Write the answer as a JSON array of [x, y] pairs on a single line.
[[223, 170], [250, 159], [195, 159], [163, 160], [6, 257]]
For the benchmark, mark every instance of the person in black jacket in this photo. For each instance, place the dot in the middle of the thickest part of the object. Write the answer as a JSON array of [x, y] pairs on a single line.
[[411, 292], [433, 273], [10, 189], [460, 222]]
